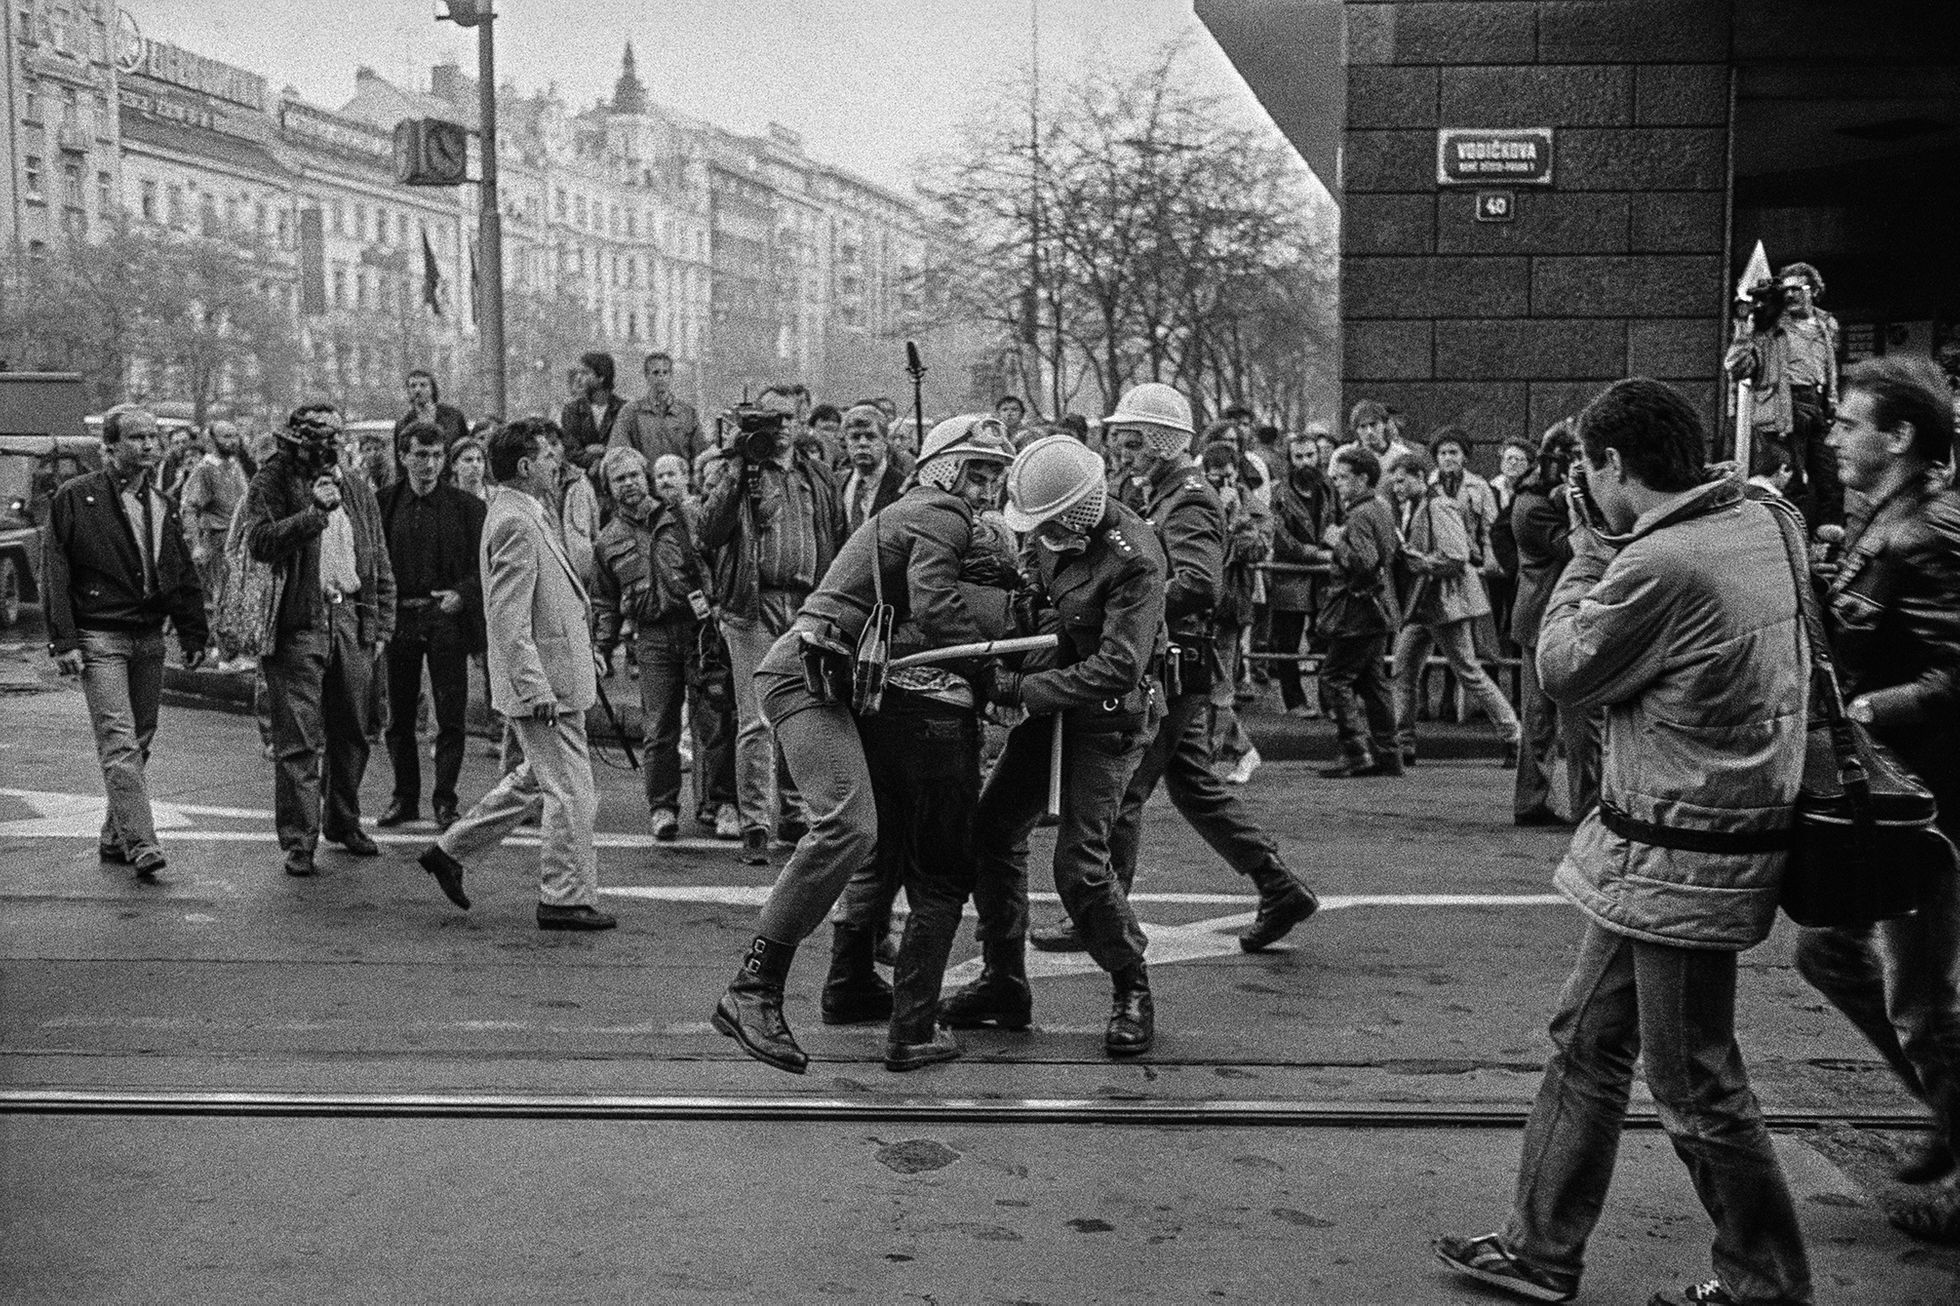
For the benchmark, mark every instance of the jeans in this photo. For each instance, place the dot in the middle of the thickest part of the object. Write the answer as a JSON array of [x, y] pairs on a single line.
[[553, 780], [821, 745], [663, 649], [320, 681], [1096, 765], [1457, 642], [1674, 1009], [425, 635], [1180, 756], [1538, 739], [749, 642], [1898, 981], [122, 683], [1354, 691]]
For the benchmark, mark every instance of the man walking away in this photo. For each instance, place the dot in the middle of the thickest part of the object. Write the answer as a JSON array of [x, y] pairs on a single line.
[[543, 680], [1678, 615], [433, 530], [114, 568]]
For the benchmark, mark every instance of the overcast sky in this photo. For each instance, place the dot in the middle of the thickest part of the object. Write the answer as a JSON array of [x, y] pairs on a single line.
[[871, 84]]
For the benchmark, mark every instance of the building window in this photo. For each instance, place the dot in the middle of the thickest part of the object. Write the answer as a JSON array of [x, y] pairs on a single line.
[[284, 231], [339, 219], [103, 191], [147, 199], [360, 222], [71, 185], [34, 177], [578, 209], [261, 218], [360, 285], [177, 206], [559, 206], [30, 107], [401, 229], [207, 213], [340, 287]]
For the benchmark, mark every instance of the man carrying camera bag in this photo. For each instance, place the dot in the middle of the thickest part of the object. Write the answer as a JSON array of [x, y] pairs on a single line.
[[771, 516], [1893, 615]]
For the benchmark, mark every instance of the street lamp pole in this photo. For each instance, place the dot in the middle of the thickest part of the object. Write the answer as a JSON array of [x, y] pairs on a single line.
[[490, 222]]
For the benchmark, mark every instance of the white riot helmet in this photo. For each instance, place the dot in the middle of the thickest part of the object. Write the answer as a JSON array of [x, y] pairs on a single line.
[[950, 445], [1162, 412], [1059, 479]]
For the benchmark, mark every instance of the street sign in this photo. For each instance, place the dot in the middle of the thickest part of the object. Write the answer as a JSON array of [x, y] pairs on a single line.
[[1514, 156], [1496, 206]]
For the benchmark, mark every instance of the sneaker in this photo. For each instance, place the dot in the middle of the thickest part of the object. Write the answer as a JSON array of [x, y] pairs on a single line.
[[755, 847], [666, 825], [1486, 1260], [728, 822], [1247, 765], [1710, 1293], [147, 861]]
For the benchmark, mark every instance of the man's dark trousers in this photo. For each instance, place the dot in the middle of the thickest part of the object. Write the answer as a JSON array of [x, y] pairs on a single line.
[[425, 634], [1096, 764], [1180, 756], [925, 775], [319, 681], [1354, 691]]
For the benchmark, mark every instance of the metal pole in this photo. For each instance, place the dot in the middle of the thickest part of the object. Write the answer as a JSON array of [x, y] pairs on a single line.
[[490, 224]]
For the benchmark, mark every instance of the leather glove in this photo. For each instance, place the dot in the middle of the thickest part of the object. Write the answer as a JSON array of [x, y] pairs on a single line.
[[999, 685], [1026, 605]]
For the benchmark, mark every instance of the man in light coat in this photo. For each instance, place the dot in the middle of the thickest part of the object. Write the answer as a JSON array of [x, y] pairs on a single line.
[[1445, 601], [543, 679], [1678, 616]]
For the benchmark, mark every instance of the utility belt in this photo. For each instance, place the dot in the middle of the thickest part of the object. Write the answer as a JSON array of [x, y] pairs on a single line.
[[1187, 666]]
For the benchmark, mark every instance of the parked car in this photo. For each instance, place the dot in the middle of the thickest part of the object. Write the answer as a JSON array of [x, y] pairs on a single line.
[[32, 468]]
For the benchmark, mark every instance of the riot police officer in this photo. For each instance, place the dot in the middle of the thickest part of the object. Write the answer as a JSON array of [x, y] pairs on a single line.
[[900, 570], [1099, 576], [1151, 429]]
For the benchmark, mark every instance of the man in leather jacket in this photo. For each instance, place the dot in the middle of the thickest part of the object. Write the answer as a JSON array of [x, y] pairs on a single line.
[[1893, 614]]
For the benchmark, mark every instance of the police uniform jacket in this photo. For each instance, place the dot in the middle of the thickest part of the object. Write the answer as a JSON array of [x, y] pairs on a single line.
[[919, 544], [1190, 524], [1107, 604]]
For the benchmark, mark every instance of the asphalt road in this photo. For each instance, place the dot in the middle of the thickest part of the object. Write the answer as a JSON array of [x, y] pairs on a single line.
[[1425, 983]]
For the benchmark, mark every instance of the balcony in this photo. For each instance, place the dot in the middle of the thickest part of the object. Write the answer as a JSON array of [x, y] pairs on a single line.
[[75, 137]]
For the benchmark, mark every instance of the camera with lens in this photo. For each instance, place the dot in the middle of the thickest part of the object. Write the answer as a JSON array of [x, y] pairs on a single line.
[[1765, 304], [758, 433]]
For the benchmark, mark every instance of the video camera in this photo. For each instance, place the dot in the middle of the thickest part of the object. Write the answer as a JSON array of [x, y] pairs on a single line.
[[758, 433], [1764, 304]]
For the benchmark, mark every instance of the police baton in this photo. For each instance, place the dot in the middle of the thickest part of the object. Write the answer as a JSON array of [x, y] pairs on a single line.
[[1055, 770], [619, 731], [985, 648]]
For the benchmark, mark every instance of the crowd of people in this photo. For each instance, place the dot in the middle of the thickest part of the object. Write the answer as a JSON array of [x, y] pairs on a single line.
[[812, 596]]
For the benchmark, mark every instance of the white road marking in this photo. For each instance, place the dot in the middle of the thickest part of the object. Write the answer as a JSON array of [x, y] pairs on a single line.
[[76, 816]]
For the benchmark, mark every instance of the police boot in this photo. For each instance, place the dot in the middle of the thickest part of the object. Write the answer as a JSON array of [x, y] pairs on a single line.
[[1283, 903], [751, 1012], [854, 992], [1132, 1016], [999, 997], [916, 1039]]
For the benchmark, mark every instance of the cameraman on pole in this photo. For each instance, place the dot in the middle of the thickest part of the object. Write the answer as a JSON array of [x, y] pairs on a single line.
[[773, 519], [1789, 357]]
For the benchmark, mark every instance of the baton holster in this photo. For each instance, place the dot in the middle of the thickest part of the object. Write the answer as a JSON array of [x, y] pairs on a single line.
[[827, 671]]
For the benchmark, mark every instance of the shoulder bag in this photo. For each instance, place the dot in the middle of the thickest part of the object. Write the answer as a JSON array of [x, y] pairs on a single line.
[[1866, 847], [246, 607]]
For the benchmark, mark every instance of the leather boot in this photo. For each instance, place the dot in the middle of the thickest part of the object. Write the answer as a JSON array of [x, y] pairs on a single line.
[[1132, 1016], [1283, 903], [751, 1012], [916, 1039], [999, 997], [854, 993]]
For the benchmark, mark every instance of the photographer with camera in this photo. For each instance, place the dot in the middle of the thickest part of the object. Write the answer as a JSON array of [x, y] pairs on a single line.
[[1789, 357], [773, 518], [322, 529]]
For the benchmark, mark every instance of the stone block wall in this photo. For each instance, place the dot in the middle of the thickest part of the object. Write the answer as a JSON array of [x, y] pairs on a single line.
[[1614, 270]]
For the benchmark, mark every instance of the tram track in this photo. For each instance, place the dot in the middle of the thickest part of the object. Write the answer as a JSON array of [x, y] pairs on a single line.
[[1159, 1112]]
